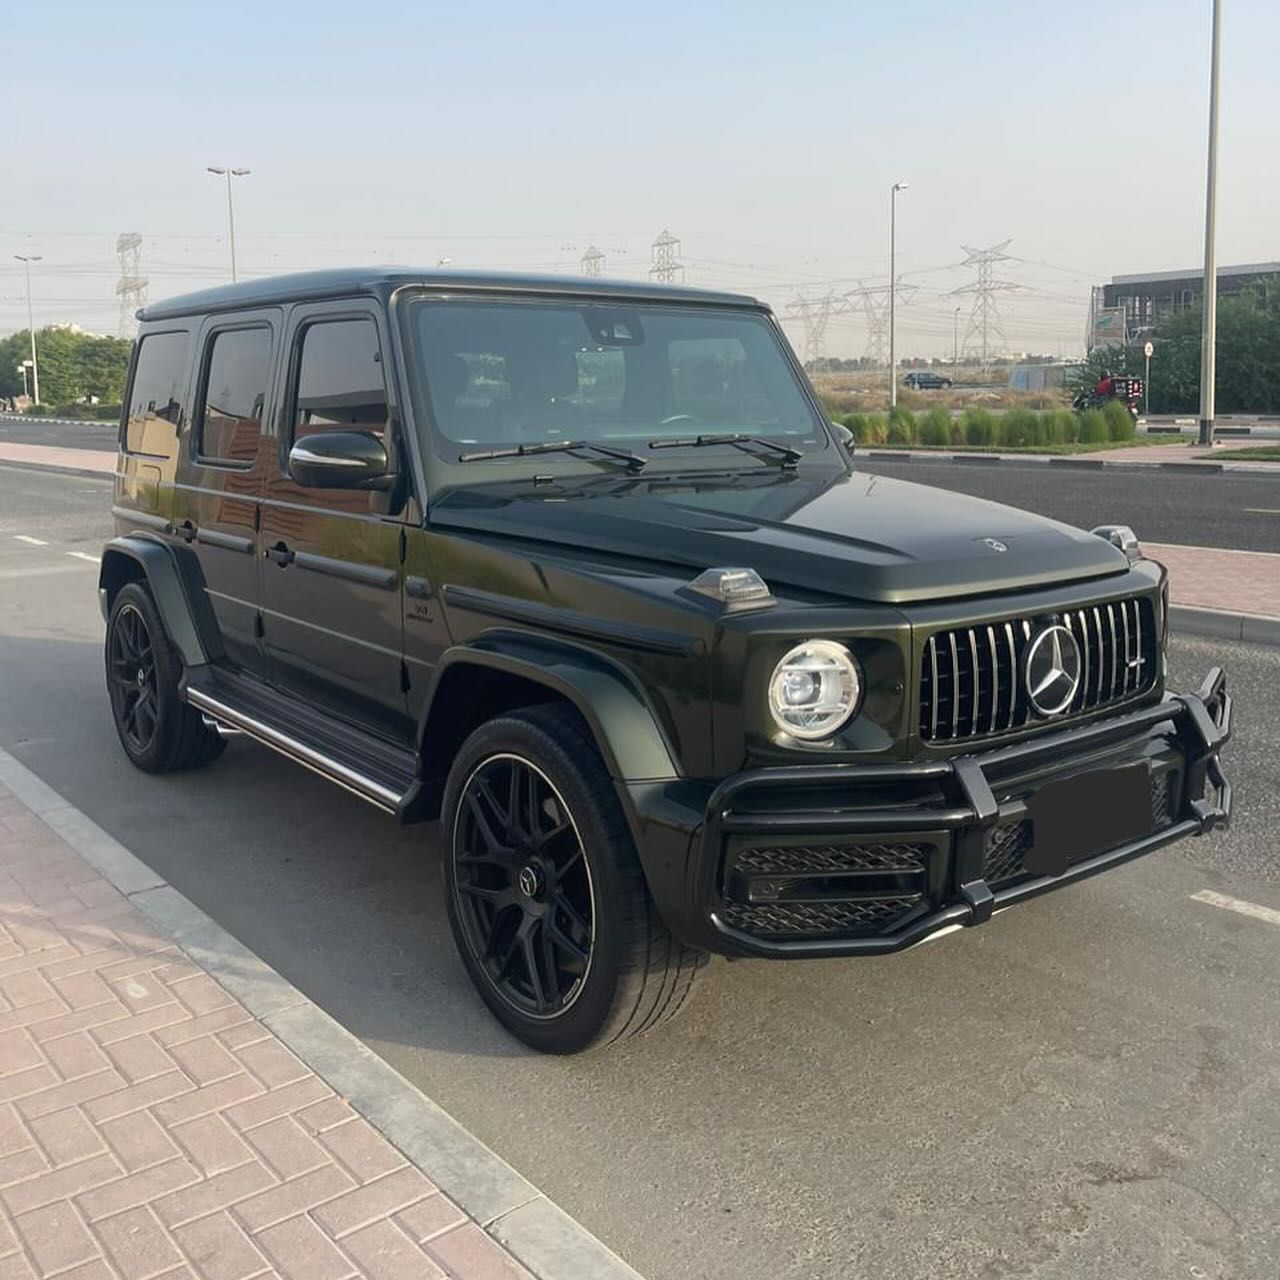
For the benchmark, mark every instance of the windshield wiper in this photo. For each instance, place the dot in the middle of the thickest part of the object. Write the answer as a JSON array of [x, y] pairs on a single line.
[[633, 461], [786, 455]]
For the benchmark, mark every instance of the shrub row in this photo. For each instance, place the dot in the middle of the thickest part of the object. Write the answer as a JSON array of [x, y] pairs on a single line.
[[1016, 429]]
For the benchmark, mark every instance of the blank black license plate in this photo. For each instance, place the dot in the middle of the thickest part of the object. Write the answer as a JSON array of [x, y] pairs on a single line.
[[1080, 816]]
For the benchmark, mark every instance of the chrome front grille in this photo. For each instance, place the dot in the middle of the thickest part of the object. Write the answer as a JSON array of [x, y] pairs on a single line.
[[971, 678]]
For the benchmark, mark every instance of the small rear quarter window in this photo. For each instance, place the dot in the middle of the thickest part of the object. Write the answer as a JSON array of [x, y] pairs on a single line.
[[157, 393]]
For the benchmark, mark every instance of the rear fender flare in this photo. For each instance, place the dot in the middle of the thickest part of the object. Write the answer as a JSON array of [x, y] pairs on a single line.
[[176, 585]]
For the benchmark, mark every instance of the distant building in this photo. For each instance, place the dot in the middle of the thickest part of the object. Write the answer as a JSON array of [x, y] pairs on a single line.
[[1130, 307], [1041, 377]]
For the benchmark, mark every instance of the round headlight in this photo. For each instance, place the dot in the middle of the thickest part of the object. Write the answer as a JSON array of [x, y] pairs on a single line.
[[815, 689]]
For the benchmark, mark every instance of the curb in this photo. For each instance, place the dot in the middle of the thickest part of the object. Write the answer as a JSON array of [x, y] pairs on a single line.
[[1047, 460], [519, 1217], [8, 463], [110, 424], [1220, 624]]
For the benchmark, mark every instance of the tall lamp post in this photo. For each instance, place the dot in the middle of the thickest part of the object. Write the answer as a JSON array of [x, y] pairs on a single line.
[[27, 260], [893, 290], [231, 213], [1209, 321], [955, 340]]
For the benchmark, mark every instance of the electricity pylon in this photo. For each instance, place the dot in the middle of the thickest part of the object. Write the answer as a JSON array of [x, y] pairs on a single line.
[[984, 335]]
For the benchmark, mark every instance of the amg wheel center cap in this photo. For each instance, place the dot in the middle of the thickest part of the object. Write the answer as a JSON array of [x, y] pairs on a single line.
[[1051, 671], [530, 880], [142, 677]]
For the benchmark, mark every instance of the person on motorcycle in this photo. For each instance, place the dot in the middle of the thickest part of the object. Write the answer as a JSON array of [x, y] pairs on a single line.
[[1106, 386]]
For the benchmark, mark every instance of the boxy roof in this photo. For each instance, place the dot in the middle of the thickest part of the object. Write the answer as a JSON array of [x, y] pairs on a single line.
[[346, 281]]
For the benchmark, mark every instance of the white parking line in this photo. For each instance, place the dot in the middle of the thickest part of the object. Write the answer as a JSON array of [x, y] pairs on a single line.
[[1266, 914], [29, 540], [83, 555]]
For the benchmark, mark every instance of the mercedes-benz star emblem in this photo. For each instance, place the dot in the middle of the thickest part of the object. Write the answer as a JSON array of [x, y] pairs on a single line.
[[1051, 670], [995, 544]]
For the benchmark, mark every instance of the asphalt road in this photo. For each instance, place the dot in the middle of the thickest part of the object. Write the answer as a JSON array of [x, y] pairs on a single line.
[[1201, 509], [62, 435], [1087, 1086]]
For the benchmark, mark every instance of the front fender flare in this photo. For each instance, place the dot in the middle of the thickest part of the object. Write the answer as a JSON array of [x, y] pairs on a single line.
[[628, 733], [177, 586]]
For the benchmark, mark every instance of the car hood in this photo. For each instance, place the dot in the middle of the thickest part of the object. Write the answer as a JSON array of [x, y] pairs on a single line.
[[853, 535]]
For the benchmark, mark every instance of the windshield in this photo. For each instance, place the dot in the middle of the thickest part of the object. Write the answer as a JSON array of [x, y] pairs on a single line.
[[508, 373]]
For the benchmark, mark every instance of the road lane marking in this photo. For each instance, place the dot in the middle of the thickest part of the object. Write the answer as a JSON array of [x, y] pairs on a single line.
[[1263, 511], [83, 555], [29, 540], [1267, 915]]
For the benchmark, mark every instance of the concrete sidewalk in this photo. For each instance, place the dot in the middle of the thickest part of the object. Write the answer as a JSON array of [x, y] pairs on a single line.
[[98, 461], [152, 1126]]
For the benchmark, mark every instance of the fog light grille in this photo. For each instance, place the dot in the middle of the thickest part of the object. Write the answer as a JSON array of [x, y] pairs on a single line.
[[813, 919], [814, 859]]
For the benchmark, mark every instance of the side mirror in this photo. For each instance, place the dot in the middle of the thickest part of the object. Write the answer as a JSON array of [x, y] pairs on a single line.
[[844, 437], [340, 460]]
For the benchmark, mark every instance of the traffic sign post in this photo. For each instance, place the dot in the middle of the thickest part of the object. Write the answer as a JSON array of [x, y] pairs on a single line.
[[1146, 384]]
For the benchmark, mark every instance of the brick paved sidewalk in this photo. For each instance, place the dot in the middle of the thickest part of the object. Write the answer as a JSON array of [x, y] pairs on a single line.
[[1214, 578], [151, 1127], [43, 455]]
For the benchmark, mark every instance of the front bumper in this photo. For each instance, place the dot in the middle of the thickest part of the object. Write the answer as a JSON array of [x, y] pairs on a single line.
[[842, 860]]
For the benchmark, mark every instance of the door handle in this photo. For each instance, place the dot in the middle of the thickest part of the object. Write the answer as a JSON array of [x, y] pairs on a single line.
[[187, 531], [280, 554]]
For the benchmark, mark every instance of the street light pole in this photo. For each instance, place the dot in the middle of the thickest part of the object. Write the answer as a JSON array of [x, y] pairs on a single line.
[[893, 290], [1209, 319], [27, 260], [955, 340], [231, 213]]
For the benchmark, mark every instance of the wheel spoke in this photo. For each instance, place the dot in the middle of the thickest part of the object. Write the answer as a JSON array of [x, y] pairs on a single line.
[[566, 944], [144, 713], [530, 953], [499, 897], [490, 837], [549, 960], [570, 862], [514, 826], [562, 903]]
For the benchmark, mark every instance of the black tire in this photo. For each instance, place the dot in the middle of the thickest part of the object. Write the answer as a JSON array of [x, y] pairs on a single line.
[[158, 730], [623, 975]]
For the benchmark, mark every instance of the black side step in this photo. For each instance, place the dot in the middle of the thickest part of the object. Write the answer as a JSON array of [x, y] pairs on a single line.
[[372, 768]]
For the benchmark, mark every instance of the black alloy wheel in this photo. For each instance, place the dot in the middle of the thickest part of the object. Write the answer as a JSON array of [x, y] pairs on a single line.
[[159, 731], [131, 674], [525, 898]]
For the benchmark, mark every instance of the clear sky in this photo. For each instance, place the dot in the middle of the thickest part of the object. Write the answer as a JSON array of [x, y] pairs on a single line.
[[765, 136]]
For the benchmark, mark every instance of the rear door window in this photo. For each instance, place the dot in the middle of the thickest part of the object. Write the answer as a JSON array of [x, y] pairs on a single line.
[[157, 394], [237, 366]]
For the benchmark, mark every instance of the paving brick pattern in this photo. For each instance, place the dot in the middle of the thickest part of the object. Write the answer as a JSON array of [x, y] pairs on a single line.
[[152, 1129], [1211, 578]]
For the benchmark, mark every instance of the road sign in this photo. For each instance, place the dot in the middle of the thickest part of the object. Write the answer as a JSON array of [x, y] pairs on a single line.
[[1147, 350]]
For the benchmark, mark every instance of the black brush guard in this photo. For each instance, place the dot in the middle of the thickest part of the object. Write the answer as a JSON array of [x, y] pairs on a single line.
[[1196, 725]]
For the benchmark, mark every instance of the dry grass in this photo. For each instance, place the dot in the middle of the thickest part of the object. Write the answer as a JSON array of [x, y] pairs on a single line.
[[868, 392]]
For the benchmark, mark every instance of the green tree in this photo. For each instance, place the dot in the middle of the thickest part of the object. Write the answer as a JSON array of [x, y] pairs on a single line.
[[1248, 357], [73, 366]]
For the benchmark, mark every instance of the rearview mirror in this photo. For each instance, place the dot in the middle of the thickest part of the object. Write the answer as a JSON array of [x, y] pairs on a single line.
[[843, 435], [340, 460]]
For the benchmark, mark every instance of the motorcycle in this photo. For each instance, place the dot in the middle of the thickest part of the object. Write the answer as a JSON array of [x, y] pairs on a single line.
[[1125, 389]]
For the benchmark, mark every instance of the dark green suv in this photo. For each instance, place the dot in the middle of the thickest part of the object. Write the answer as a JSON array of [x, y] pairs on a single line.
[[581, 570]]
